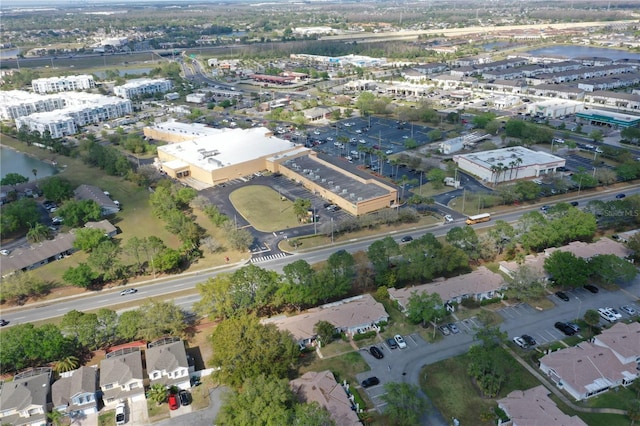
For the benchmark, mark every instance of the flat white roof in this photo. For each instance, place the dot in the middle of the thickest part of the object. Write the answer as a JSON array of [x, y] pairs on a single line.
[[220, 148], [487, 159]]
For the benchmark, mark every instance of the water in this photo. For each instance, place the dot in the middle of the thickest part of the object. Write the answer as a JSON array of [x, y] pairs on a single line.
[[487, 47], [578, 51], [17, 162], [9, 53]]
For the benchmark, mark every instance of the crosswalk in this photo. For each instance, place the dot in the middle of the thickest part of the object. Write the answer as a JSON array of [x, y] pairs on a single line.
[[269, 257]]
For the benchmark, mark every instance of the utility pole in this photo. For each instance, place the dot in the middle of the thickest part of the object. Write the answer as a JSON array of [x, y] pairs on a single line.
[[331, 230]]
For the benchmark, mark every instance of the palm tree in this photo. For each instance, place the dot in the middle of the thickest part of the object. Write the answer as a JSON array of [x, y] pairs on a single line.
[[55, 417], [157, 393], [38, 233], [518, 161], [66, 364]]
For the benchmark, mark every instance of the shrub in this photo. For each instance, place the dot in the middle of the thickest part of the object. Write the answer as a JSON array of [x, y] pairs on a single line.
[[362, 336]]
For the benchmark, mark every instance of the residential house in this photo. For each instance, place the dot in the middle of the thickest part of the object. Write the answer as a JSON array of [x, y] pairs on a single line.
[[25, 401], [351, 316], [76, 392], [480, 284], [38, 254], [104, 225], [90, 192], [624, 340], [321, 387], [588, 250], [167, 363], [533, 407], [121, 376], [586, 370]]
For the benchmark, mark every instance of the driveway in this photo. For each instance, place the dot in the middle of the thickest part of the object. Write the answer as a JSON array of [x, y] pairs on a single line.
[[204, 417]]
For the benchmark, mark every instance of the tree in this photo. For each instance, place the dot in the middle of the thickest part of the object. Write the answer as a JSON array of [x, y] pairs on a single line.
[[405, 404], [325, 331], [128, 324], [55, 416], [81, 327], [19, 216], [244, 348], [78, 212], [35, 174], [592, 318], [68, 363], [88, 238], [425, 308], [38, 233], [311, 414], [159, 319], [436, 177], [301, 208], [57, 189], [262, 401], [380, 253], [158, 393], [21, 285], [466, 239], [610, 268], [80, 276], [566, 269], [633, 412], [13, 179], [104, 259], [296, 288]]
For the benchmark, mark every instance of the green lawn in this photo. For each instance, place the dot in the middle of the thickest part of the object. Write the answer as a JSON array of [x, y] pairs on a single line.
[[594, 419], [343, 366], [263, 208], [450, 388]]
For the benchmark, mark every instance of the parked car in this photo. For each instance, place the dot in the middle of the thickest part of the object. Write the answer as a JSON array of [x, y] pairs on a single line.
[[185, 398], [574, 203], [5, 252], [128, 291], [371, 381], [444, 330], [615, 313], [562, 295], [520, 342], [376, 352], [529, 340], [592, 288], [173, 402], [392, 343], [607, 315], [406, 239], [628, 310], [565, 328], [454, 328], [400, 341], [120, 414]]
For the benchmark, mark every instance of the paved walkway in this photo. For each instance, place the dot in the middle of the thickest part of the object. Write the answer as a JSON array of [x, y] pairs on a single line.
[[557, 392]]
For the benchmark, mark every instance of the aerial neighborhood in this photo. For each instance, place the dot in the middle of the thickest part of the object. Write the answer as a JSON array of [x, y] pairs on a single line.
[[337, 213]]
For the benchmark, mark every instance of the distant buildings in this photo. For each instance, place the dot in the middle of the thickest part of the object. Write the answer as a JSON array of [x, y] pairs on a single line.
[[142, 86], [63, 84]]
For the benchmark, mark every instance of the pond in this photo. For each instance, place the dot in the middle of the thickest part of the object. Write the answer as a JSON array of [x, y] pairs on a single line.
[[12, 161]]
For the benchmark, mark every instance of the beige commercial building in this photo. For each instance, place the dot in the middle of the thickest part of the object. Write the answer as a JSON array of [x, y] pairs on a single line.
[[215, 156]]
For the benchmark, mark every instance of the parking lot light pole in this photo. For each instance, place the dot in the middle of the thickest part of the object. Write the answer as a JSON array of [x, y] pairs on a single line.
[[579, 307]]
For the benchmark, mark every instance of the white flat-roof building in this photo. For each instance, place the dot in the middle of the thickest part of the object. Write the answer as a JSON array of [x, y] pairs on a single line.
[[142, 86], [63, 84], [555, 108], [507, 164], [18, 103], [80, 109]]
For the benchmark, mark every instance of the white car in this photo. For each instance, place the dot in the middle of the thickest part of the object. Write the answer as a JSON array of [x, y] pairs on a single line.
[[607, 315], [120, 414], [520, 342], [400, 341], [615, 313], [448, 218], [628, 309], [5, 252], [128, 291]]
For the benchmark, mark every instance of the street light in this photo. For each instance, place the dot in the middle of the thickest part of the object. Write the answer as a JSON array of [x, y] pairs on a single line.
[[579, 307], [331, 230]]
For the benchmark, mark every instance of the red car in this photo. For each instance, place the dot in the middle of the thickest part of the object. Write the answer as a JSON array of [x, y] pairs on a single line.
[[173, 402]]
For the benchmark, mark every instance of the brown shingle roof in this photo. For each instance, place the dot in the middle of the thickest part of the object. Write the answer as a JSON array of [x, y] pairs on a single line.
[[623, 338]]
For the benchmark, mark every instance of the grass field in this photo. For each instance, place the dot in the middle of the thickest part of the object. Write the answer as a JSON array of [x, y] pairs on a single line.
[[451, 390], [343, 366], [263, 208]]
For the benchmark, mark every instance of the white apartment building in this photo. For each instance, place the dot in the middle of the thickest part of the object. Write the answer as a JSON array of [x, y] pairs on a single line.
[[79, 109], [63, 84], [142, 86], [18, 103]]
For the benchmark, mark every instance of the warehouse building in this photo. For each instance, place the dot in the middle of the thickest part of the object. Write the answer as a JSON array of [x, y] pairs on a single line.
[[555, 108], [508, 164]]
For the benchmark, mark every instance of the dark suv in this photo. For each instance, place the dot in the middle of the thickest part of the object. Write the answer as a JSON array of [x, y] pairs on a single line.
[[184, 397], [562, 295], [392, 343], [376, 352], [565, 328]]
